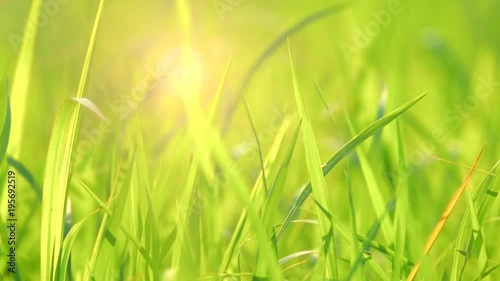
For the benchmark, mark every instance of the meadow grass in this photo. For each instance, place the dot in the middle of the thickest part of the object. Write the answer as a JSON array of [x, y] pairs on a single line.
[[281, 159]]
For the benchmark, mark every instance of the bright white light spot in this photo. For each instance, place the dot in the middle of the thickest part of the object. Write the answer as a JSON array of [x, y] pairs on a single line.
[[181, 72]]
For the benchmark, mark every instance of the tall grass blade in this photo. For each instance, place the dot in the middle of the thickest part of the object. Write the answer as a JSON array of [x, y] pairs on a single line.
[[275, 194], [446, 214], [401, 211], [318, 183]]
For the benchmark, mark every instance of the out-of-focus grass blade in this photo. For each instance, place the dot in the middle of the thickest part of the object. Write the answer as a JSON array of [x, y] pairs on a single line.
[[22, 76], [318, 183], [273, 47], [374, 191], [259, 148], [28, 176], [5, 135], [400, 215], [275, 193], [214, 108], [446, 214], [345, 150]]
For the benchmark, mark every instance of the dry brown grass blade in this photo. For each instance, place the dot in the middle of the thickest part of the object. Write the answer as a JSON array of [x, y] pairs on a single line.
[[446, 214]]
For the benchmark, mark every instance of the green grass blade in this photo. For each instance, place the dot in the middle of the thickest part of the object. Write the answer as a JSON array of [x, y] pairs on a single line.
[[275, 194], [464, 239], [55, 186], [259, 148], [239, 231], [401, 211], [318, 183], [5, 135], [346, 150], [374, 191], [355, 249]]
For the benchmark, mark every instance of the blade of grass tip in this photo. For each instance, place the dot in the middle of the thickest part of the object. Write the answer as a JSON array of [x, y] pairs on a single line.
[[400, 215], [273, 47], [5, 135], [274, 197], [447, 212], [214, 108], [346, 150], [58, 168], [318, 183], [21, 79], [374, 190]]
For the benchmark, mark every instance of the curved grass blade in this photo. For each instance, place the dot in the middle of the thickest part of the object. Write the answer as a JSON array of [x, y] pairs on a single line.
[[446, 214], [273, 47], [5, 135], [68, 243], [28, 176], [345, 150]]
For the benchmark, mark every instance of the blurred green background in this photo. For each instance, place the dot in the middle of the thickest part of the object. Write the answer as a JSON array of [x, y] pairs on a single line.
[[368, 58]]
